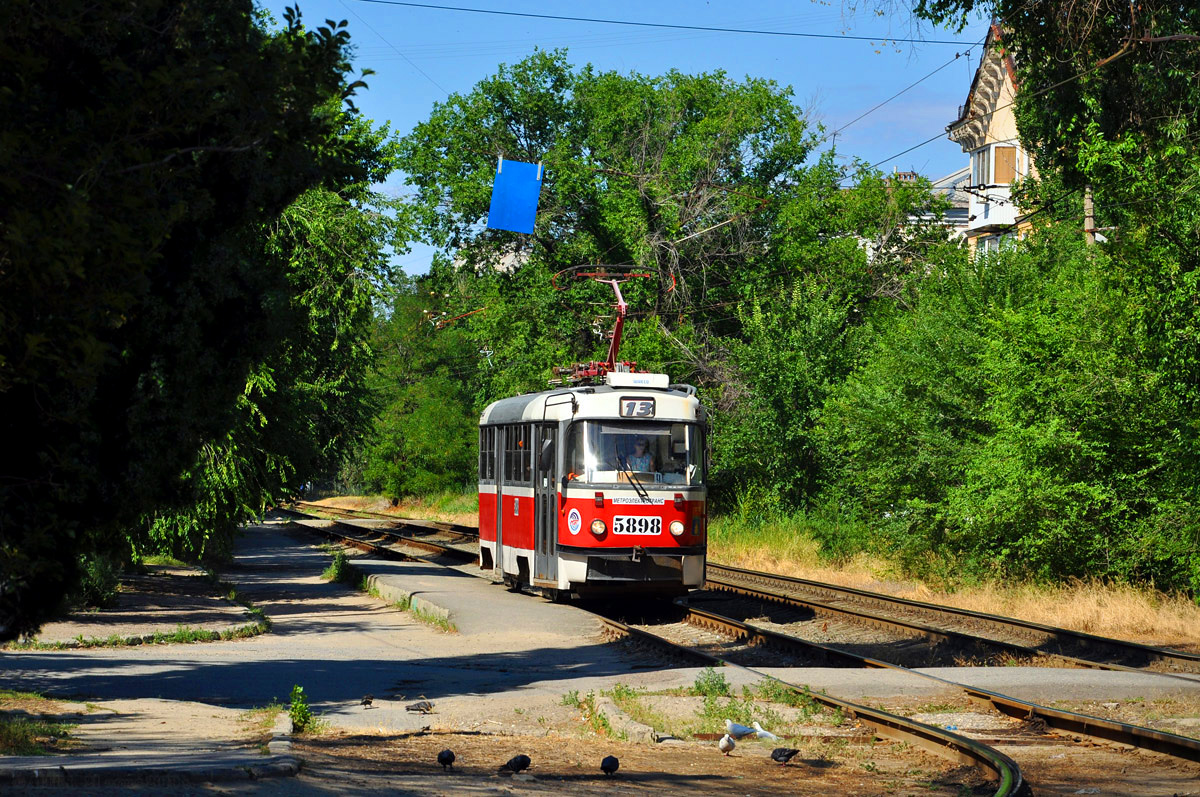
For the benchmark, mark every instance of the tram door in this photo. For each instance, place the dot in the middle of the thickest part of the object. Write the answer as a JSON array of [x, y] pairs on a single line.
[[501, 446], [545, 498]]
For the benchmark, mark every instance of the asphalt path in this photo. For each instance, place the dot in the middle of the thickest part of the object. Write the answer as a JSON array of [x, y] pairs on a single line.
[[340, 644]]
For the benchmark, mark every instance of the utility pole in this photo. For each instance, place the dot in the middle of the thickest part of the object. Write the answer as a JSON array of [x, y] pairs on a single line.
[[1089, 218]]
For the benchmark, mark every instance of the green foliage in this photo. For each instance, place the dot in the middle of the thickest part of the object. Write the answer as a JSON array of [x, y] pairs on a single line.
[[24, 736], [100, 581], [141, 316], [710, 683], [299, 711], [1011, 424], [708, 184], [339, 569]]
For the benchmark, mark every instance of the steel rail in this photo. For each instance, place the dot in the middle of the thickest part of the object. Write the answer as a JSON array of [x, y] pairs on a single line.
[[391, 534], [932, 634], [938, 741], [1068, 722], [1091, 643], [941, 742], [726, 576], [453, 528]]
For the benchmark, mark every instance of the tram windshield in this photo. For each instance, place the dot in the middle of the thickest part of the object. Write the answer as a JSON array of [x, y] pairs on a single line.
[[615, 451]]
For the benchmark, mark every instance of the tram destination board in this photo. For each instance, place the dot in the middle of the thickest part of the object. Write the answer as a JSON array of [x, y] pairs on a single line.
[[637, 524], [637, 407]]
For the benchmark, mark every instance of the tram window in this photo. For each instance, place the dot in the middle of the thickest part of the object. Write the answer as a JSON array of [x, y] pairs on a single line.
[[487, 454], [517, 455], [609, 451]]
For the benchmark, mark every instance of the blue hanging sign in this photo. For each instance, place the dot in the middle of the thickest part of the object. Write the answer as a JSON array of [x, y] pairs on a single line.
[[515, 196]]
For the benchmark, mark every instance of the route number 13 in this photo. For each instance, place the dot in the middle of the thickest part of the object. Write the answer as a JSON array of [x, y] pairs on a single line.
[[637, 408]]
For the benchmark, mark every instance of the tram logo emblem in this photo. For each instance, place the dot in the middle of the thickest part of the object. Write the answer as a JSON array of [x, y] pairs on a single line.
[[574, 521]]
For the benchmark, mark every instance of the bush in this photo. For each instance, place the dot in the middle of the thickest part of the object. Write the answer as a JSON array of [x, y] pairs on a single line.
[[298, 710], [710, 683], [100, 583]]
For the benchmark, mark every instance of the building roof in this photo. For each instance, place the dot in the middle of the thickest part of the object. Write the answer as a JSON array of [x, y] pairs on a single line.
[[995, 65]]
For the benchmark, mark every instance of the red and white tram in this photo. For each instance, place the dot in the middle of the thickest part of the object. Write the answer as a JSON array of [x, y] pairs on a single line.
[[596, 489]]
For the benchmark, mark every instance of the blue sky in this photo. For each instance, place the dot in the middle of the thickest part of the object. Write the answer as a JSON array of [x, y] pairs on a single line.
[[421, 54]]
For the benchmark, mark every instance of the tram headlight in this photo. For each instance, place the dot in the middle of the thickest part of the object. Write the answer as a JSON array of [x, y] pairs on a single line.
[[676, 527], [598, 527]]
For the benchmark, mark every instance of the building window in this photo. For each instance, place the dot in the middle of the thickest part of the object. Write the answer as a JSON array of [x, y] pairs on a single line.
[[1006, 165], [981, 166]]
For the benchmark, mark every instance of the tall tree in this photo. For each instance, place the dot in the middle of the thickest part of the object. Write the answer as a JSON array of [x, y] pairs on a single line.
[[146, 147]]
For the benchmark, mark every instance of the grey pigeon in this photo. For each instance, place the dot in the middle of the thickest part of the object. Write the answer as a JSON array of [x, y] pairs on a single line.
[[783, 754], [737, 731], [726, 744], [760, 733], [609, 765], [516, 764], [421, 706], [446, 759], [367, 701]]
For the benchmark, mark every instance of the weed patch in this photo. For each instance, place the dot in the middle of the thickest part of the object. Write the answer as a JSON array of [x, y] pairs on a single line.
[[25, 736]]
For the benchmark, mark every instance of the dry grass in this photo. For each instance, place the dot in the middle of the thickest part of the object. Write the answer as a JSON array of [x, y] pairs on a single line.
[[446, 507], [1114, 610]]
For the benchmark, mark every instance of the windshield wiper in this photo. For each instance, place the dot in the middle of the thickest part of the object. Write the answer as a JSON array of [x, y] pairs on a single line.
[[637, 484]]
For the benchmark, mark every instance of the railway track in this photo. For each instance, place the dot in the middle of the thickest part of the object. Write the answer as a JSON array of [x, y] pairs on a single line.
[[933, 630], [939, 741], [714, 638], [953, 626]]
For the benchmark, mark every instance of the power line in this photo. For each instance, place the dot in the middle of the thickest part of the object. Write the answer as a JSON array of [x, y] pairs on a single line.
[[396, 49], [912, 85], [1037, 93], [668, 25]]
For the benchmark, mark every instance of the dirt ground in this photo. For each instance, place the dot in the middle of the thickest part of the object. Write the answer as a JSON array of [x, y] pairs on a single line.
[[159, 600], [572, 765]]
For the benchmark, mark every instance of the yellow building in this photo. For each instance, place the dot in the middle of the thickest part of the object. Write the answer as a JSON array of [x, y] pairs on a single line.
[[986, 129]]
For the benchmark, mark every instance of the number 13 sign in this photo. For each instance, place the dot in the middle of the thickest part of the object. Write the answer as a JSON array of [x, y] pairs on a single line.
[[635, 407]]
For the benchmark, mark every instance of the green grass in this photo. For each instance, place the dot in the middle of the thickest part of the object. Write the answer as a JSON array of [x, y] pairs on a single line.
[[262, 720], [340, 569], [451, 502], [181, 635], [23, 736], [710, 683], [163, 560], [755, 704]]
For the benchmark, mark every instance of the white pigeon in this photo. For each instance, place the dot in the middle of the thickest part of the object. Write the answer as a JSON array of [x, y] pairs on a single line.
[[737, 731], [726, 744], [758, 729]]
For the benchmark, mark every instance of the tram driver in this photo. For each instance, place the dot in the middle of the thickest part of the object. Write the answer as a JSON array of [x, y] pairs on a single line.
[[641, 459]]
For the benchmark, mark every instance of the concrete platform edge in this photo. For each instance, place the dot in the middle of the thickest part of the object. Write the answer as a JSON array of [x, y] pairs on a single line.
[[86, 775], [391, 592]]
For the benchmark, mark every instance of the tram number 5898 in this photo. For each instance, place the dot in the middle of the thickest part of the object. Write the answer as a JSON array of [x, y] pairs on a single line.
[[637, 408]]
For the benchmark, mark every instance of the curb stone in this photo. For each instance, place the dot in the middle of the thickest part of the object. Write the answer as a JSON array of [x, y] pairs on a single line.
[[623, 723], [396, 594], [280, 764]]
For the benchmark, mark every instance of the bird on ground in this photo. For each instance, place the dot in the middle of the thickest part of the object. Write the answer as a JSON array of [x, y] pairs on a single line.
[[421, 707], [516, 764], [367, 701], [783, 754], [760, 733], [609, 765], [446, 759], [737, 730], [726, 744]]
